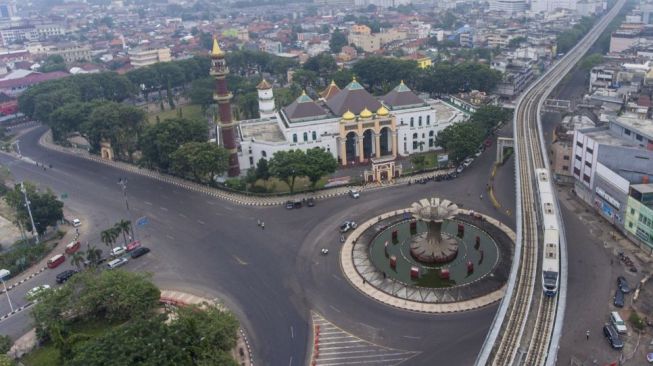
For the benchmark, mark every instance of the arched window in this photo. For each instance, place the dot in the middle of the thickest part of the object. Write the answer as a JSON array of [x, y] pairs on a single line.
[[428, 119], [314, 136], [419, 121], [431, 133], [294, 137], [414, 136], [305, 136], [401, 121], [264, 154], [412, 122]]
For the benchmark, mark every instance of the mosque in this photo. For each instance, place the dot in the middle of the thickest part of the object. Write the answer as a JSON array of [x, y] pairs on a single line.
[[354, 126]]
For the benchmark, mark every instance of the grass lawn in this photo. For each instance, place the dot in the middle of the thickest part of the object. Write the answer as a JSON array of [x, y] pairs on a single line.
[[191, 111], [430, 162], [48, 355], [301, 184]]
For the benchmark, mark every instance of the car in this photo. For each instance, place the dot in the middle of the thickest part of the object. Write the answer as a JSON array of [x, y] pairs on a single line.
[[612, 336], [117, 263], [310, 202], [623, 284], [618, 300], [133, 245], [36, 291], [65, 275], [467, 162], [617, 322], [297, 203], [354, 193], [289, 205], [118, 251], [460, 169], [139, 252], [348, 225], [76, 223]]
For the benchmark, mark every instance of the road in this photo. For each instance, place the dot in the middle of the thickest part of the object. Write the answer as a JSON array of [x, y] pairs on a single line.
[[273, 278]]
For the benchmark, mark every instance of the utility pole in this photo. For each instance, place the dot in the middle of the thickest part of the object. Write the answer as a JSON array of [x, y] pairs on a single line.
[[122, 182], [18, 148], [4, 273], [29, 211]]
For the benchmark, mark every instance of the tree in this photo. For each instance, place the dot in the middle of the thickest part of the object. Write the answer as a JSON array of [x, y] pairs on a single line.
[[93, 255], [337, 41], [160, 140], [77, 259], [378, 72], [124, 227], [419, 162], [287, 166], [262, 169], [53, 63], [322, 65], [488, 117], [590, 61], [109, 236], [201, 92], [46, 209], [460, 140], [118, 123], [5, 343], [201, 160], [318, 163]]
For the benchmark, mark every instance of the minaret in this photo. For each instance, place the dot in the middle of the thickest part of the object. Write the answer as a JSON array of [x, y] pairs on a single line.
[[222, 96], [265, 99]]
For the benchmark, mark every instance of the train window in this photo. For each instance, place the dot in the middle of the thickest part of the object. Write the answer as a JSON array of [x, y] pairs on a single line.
[[586, 178]]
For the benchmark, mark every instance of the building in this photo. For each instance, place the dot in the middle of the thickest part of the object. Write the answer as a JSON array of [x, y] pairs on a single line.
[[7, 9], [639, 213], [508, 6], [374, 42], [71, 52], [148, 56], [350, 123], [15, 87]]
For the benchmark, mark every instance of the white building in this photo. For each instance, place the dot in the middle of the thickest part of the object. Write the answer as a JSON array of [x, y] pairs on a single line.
[[350, 123], [508, 6]]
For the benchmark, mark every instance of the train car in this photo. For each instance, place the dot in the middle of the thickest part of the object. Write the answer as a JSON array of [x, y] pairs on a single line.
[[550, 233]]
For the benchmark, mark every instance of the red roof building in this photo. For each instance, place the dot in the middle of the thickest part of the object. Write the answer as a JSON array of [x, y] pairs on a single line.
[[15, 87]]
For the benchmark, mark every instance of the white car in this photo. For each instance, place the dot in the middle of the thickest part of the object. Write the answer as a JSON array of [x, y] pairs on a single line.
[[117, 263], [348, 225], [118, 251], [77, 223], [354, 193], [36, 291], [467, 162]]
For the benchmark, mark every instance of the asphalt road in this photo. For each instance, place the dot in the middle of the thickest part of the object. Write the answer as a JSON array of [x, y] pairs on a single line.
[[270, 278]]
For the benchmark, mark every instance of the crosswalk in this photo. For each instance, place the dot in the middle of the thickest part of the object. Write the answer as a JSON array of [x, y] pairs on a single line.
[[333, 346]]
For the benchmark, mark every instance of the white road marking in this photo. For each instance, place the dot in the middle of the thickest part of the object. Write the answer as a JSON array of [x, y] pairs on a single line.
[[412, 337], [334, 308], [148, 203], [170, 236], [182, 215], [163, 208], [290, 363], [201, 222]]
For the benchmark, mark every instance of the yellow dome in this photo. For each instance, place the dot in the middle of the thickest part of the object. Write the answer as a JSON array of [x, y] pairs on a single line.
[[382, 111], [365, 113], [348, 116]]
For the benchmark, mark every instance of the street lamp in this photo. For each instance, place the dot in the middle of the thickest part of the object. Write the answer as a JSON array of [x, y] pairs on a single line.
[[29, 211], [4, 273]]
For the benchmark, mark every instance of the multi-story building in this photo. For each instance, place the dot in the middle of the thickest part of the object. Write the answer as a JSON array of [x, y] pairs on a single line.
[[18, 33], [148, 56], [7, 9], [639, 213], [509, 6], [71, 52]]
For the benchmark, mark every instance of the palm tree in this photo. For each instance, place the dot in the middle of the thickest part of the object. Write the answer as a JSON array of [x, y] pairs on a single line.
[[77, 259], [93, 255], [109, 236], [124, 227]]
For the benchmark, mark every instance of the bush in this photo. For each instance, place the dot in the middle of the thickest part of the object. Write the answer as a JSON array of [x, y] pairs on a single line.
[[235, 183], [636, 321], [5, 344], [258, 189], [22, 255]]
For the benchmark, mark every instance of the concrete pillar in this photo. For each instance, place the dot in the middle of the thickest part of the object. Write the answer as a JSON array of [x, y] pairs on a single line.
[[343, 151], [394, 143], [361, 149], [377, 144]]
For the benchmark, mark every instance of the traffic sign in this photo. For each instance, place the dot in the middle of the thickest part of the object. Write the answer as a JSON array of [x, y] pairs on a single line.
[[142, 221]]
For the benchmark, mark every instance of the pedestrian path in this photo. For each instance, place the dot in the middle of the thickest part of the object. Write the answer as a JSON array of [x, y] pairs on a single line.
[[238, 198], [333, 346]]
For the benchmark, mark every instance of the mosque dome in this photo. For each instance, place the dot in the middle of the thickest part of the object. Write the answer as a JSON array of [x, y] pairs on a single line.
[[382, 111], [348, 116], [365, 113]]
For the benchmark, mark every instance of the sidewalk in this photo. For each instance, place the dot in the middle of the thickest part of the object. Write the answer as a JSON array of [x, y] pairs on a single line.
[[237, 198]]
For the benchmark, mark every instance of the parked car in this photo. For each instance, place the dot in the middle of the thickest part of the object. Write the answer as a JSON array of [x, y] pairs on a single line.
[[133, 245], [623, 284], [460, 169], [34, 293], [348, 225], [289, 205], [56, 260], [77, 223], [65, 275], [354, 193], [310, 202], [617, 322], [139, 252], [613, 337], [467, 162], [118, 251], [117, 263], [297, 203], [618, 300]]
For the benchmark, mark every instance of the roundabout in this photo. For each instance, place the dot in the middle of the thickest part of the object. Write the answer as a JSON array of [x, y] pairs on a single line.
[[432, 257]]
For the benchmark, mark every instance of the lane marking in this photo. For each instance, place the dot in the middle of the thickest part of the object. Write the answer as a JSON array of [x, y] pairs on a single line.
[[240, 261], [412, 337], [292, 335], [334, 308], [170, 236], [148, 203], [201, 222], [182, 215], [163, 208]]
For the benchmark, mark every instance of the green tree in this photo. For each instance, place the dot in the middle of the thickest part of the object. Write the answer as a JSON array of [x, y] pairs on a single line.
[[93, 255], [305, 78], [488, 117], [160, 140], [322, 65], [124, 227], [77, 259], [53, 63], [460, 140], [515, 42], [419, 162], [287, 166], [318, 163], [47, 210], [262, 169], [201, 92], [380, 72], [590, 61], [200, 160], [118, 123], [109, 236], [5, 343]]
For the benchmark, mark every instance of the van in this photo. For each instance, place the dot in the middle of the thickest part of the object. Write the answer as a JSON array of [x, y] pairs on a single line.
[[618, 323], [56, 261], [612, 336], [77, 223], [72, 247]]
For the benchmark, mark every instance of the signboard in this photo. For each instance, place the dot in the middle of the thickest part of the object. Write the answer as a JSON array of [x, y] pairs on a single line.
[[601, 193]]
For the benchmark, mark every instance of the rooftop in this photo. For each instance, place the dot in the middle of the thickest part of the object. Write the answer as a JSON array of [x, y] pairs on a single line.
[[643, 188], [603, 135], [642, 126], [261, 129]]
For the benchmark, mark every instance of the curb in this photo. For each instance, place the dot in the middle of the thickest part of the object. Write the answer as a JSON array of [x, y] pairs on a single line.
[[16, 311], [228, 196]]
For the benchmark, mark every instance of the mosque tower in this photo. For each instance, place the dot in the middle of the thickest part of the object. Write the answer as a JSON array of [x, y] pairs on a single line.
[[265, 99], [222, 96]]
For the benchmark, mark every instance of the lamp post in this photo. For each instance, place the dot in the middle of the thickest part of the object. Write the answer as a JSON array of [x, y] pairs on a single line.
[[29, 211], [4, 273], [122, 182]]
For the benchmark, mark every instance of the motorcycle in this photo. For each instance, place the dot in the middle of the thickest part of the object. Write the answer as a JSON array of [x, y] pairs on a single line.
[[325, 251]]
